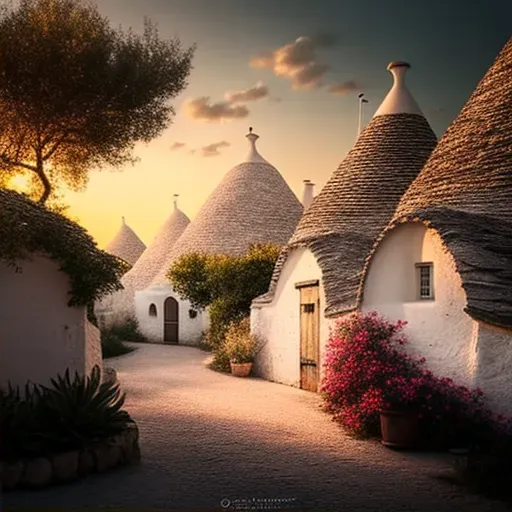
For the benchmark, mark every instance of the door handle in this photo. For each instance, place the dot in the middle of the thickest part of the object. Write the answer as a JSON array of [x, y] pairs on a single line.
[[307, 362]]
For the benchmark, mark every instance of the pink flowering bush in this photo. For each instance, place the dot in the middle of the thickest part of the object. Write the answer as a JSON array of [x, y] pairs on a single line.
[[367, 371]]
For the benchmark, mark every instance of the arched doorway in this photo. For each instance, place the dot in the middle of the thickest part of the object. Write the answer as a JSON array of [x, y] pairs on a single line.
[[171, 327]]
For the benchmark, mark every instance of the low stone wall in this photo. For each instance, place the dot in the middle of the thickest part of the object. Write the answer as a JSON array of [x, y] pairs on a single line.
[[109, 375], [41, 472]]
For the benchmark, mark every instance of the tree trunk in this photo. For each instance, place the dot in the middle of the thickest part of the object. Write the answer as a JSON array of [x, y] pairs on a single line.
[[47, 187]]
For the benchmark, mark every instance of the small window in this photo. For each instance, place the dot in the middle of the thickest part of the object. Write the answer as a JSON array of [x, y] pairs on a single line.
[[425, 278], [308, 308], [152, 310]]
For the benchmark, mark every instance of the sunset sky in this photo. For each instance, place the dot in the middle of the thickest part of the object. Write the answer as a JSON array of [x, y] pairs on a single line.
[[301, 98]]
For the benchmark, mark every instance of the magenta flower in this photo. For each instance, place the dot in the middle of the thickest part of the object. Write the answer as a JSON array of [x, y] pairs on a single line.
[[367, 371]]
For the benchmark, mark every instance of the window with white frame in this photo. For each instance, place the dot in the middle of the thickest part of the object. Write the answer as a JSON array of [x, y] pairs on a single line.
[[425, 280]]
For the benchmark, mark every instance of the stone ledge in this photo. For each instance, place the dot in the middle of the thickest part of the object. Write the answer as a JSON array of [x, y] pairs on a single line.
[[109, 375], [101, 456]]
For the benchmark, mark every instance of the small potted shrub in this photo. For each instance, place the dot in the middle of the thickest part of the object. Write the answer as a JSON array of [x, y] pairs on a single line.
[[241, 348]]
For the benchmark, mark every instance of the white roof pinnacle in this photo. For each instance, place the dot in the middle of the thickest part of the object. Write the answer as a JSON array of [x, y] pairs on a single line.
[[398, 100], [253, 155]]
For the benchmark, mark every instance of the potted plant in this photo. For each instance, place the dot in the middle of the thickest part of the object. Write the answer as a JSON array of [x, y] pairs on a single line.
[[399, 419], [241, 348], [399, 428]]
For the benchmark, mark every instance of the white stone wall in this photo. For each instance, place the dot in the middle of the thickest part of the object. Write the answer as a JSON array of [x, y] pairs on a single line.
[[40, 336], [92, 347], [278, 323], [493, 363], [438, 329], [190, 329], [453, 344]]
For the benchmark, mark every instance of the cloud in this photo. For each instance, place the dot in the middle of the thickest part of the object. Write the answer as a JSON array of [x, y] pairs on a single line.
[[254, 93], [262, 60], [201, 109], [177, 145], [345, 87], [297, 61], [213, 149]]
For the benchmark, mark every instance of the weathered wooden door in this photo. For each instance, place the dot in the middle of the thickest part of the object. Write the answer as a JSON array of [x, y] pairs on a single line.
[[171, 325], [309, 336]]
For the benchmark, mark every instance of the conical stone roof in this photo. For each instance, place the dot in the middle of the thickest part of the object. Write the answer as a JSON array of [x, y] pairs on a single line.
[[464, 192], [126, 244], [149, 263], [471, 168], [252, 204], [345, 218]]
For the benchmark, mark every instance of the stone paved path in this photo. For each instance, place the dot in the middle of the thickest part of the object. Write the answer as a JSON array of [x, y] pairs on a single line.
[[207, 437]]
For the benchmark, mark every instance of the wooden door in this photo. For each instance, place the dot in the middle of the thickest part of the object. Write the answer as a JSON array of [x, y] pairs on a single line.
[[171, 325], [309, 337]]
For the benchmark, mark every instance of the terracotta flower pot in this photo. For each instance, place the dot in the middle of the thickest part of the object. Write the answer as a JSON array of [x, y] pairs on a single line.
[[399, 429], [241, 369]]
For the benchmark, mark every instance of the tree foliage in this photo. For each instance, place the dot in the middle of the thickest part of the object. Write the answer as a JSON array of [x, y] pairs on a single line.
[[225, 284], [28, 228], [77, 95]]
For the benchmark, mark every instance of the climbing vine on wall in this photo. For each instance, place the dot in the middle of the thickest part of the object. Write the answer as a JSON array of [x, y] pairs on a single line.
[[27, 228]]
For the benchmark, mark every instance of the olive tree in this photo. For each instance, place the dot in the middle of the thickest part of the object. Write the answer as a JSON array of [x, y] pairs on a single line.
[[76, 94]]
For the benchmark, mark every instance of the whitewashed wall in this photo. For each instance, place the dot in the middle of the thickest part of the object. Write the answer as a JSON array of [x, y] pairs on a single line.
[[190, 329], [438, 329], [453, 344], [93, 354], [278, 323], [40, 336], [493, 367]]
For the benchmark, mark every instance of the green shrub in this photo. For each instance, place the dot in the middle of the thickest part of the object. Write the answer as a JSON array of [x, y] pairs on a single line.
[[222, 313], [112, 346], [240, 346], [203, 342], [220, 362], [127, 331], [226, 285], [69, 414]]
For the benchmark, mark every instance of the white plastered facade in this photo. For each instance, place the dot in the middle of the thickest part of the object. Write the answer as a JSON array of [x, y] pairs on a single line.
[[278, 323], [40, 335], [454, 345], [190, 330]]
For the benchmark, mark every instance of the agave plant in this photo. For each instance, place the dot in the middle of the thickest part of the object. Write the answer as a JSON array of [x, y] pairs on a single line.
[[20, 421], [66, 415], [83, 409]]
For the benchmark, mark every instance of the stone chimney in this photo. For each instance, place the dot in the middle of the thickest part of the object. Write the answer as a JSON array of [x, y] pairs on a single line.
[[398, 100], [307, 195]]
